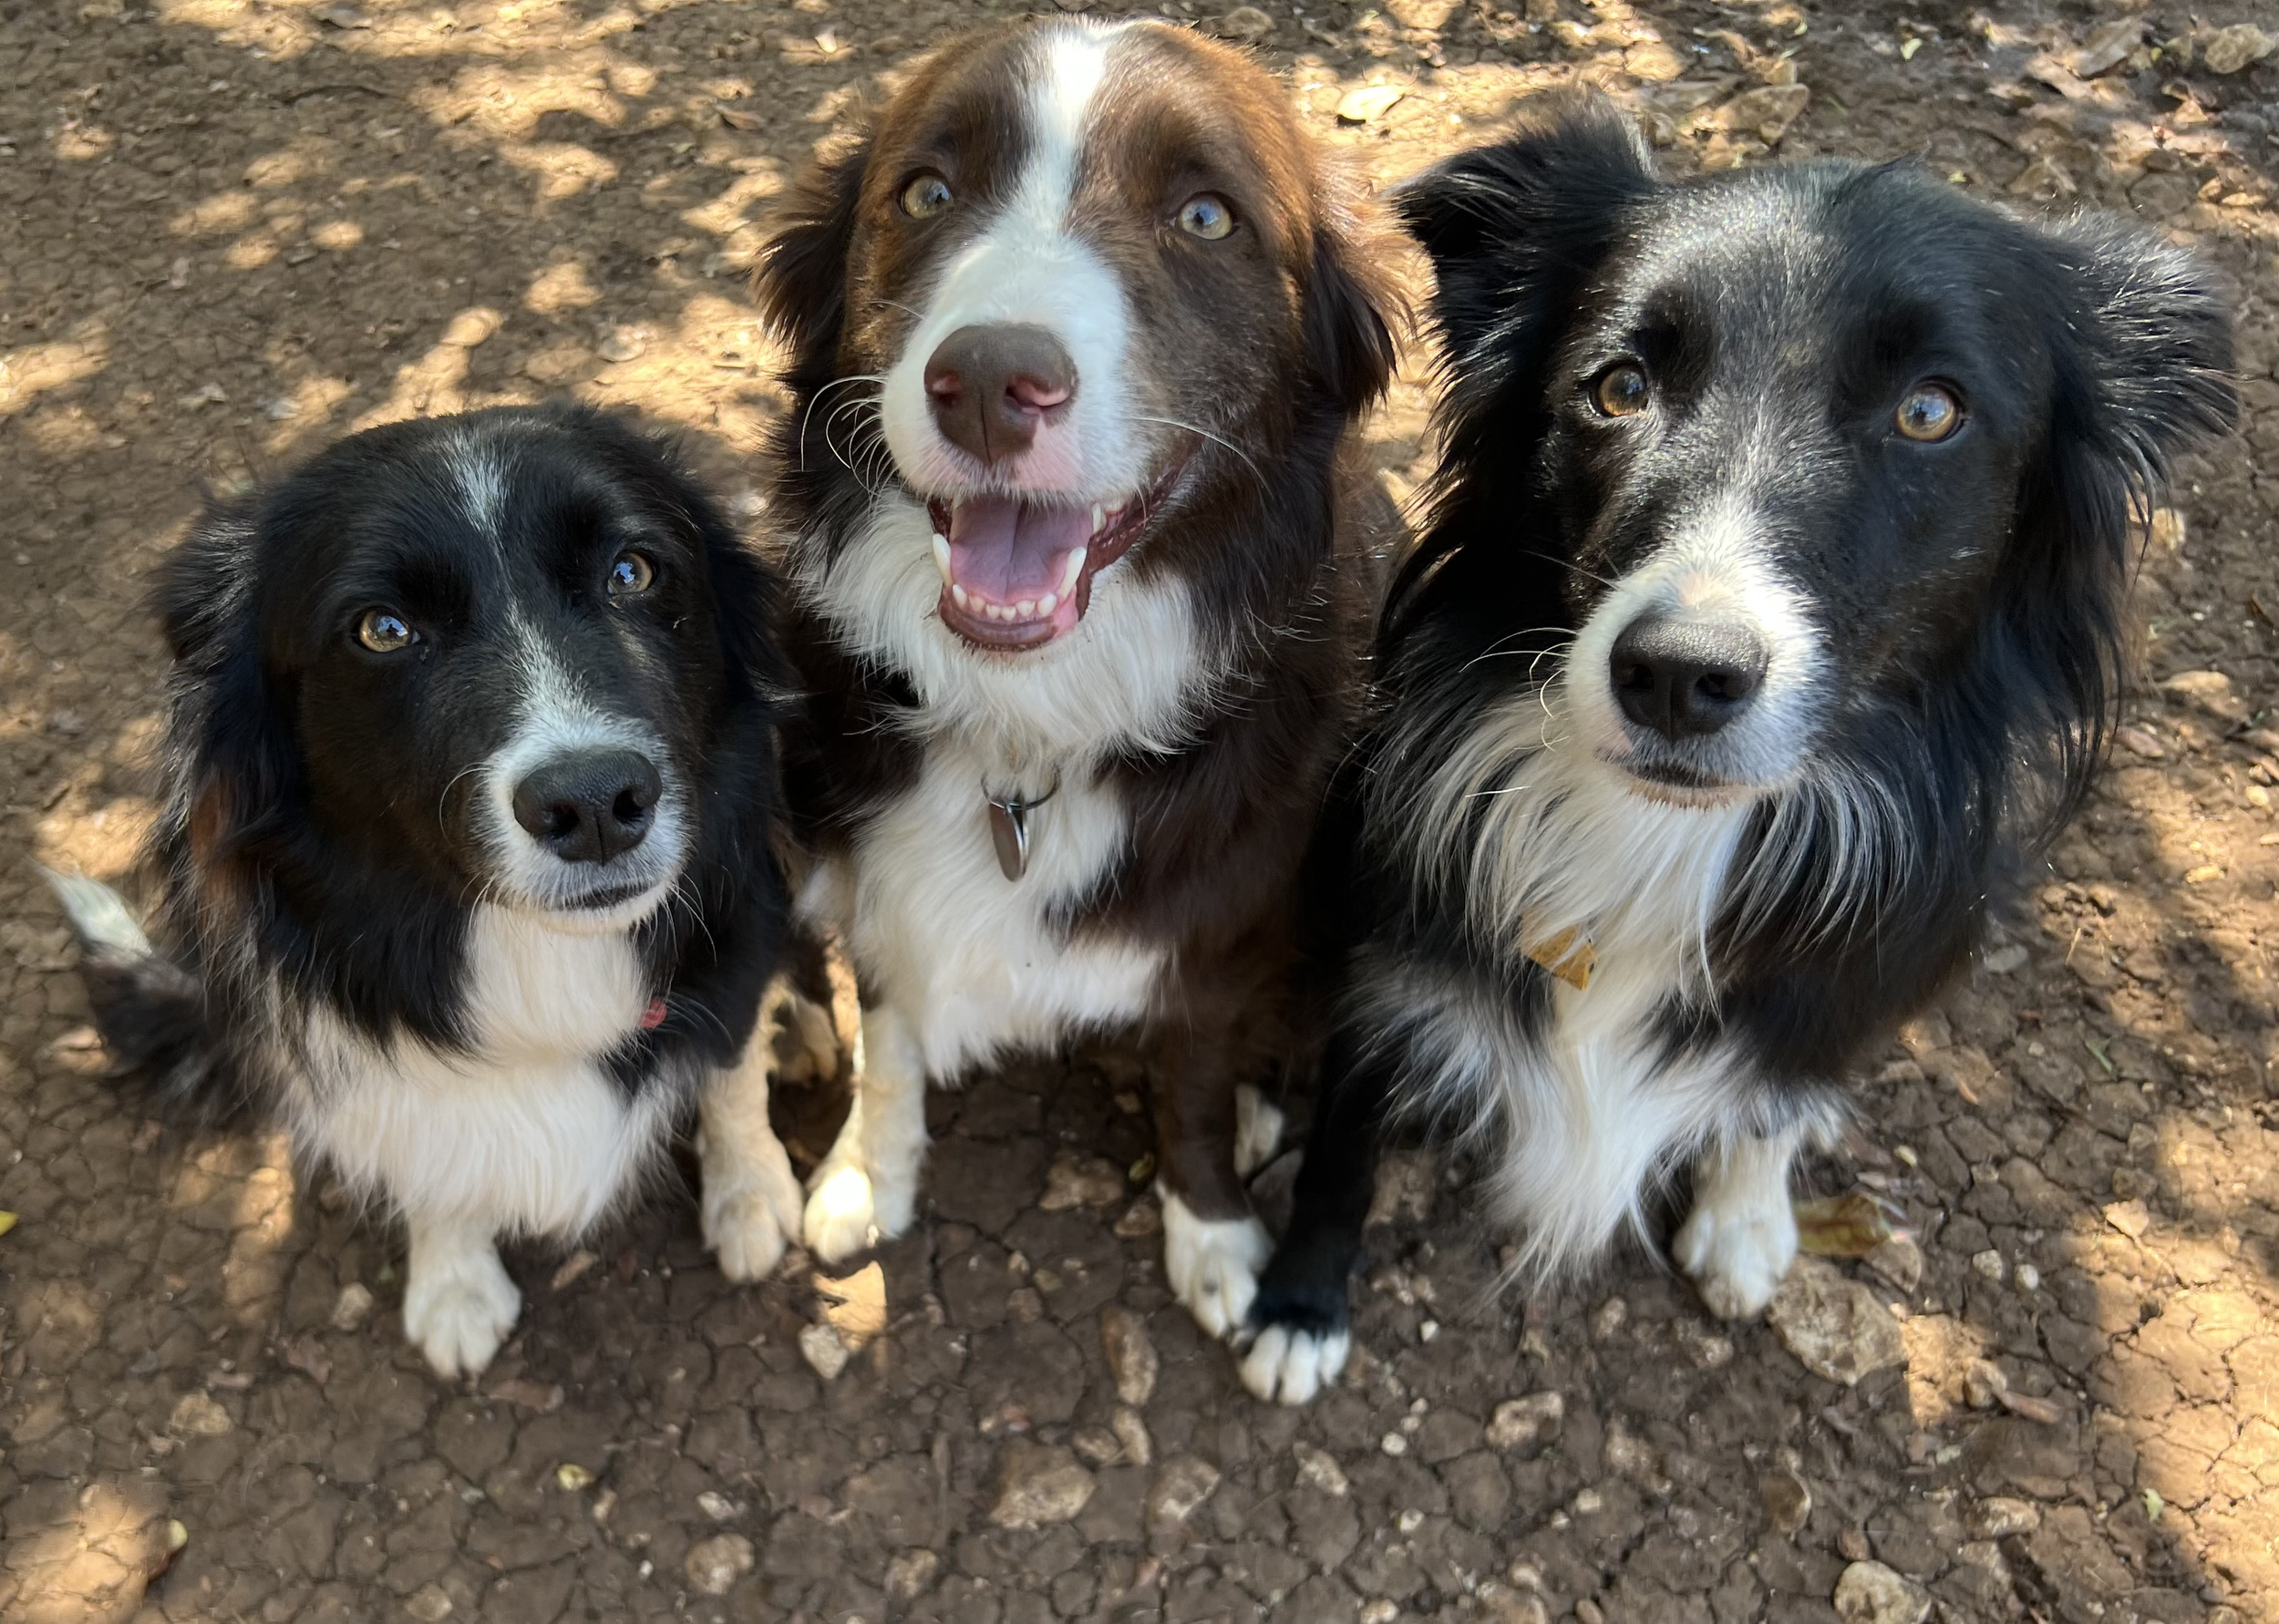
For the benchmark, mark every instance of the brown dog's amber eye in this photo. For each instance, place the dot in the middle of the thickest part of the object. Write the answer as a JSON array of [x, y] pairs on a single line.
[[1930, 413], [1206, 216], [927, 196], [1620, 391], [384, 632], [629, 573]]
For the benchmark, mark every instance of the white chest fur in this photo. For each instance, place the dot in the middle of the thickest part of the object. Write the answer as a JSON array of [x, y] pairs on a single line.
[[976, 962], [527, 1134]]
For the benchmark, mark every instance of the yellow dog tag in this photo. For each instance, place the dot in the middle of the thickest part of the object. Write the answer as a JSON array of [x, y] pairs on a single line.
[[1568, 955]]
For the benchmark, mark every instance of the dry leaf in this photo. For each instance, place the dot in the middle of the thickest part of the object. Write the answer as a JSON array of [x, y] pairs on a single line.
[[1369, 103], [1847, 1226], [1568, 955], [857, 1310]]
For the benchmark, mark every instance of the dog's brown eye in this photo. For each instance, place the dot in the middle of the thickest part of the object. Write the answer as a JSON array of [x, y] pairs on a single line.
[[384, 632], [1620, 391], [1930, 413], [1207, 216], [927, 196], [630, 572]]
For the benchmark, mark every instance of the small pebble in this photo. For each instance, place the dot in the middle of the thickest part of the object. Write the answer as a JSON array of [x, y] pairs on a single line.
[[351, 1306]]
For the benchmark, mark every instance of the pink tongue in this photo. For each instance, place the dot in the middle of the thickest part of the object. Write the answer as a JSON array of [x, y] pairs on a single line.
[[1006, 550]]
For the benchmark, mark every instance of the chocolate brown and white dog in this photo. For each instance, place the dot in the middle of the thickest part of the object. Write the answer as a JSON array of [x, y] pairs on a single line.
[[1078, 328]]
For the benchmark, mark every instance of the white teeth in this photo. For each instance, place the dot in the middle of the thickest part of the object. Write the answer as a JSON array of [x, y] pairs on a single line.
[[1071, 572], [941, 556], [1099, 515], [1047, 603], [957, 595], [1028, 606]]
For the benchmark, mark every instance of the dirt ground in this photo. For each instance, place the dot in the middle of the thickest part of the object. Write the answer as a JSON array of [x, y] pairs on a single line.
[[230, 231]]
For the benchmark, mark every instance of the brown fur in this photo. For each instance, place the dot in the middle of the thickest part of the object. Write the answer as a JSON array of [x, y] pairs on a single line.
[[1278, 345]]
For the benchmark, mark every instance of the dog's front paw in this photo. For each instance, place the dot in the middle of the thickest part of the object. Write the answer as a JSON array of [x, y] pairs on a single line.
[[458, 1309], [751, 1217], [851, 1208], [1738, 1247], [1212, 1264], [1286, 1364]]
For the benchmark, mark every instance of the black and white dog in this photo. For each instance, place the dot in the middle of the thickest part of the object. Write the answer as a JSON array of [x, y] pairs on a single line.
[[470, 787], [1769, 613]]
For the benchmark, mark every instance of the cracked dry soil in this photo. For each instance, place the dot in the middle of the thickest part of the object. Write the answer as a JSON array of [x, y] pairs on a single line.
[[232, 229]]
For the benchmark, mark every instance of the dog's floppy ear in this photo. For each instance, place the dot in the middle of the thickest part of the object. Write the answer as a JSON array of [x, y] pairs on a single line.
[[2140, 350], [1514, 228], [234, 729], [1350, 301], [2145, 365], [800, 281]]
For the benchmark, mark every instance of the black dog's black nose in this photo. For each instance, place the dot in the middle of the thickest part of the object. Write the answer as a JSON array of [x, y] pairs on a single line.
[[1681, 677], [589, 807]]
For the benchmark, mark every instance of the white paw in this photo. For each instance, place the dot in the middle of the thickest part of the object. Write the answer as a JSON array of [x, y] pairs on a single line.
[[1292, 1366], [838, 1222], [849, 1209], [1736, 1246], [1257, 1130], [749, 1218], [1212, 1264], [457, 1311]]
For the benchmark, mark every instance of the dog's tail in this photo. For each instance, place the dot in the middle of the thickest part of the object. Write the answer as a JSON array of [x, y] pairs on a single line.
[[150, 1009]]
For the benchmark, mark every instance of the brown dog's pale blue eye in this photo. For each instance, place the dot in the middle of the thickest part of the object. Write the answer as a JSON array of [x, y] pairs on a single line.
[[1930, 413], [927, 196], [384, 632], [1206, 216], [630, 573], [1620, 391]]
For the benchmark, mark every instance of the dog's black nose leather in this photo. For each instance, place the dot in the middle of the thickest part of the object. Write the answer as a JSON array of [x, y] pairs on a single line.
[[990, 386], [1683, 677], [591, 806]]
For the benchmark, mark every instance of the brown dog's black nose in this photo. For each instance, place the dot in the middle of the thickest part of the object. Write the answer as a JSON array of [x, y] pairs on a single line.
[[1682, 677], [990, 386]]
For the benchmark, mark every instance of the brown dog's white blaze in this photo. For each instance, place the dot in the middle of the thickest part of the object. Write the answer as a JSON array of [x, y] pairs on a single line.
[[1062, 255]]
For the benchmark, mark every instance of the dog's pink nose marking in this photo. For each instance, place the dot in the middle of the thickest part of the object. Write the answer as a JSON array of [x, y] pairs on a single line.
[[991, 388], [1037, 397]]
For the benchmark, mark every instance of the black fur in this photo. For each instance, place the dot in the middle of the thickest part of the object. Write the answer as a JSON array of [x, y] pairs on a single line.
[[1971, 593], [319, 840]]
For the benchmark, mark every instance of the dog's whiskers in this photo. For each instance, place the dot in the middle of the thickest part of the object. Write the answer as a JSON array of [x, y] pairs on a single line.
[[1217, 439]]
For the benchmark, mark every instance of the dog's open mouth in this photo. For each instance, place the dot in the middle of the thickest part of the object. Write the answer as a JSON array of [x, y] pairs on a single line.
[[1017, 570]]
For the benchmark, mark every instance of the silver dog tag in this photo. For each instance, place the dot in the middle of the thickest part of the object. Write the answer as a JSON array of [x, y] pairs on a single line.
[[1008, 831]]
